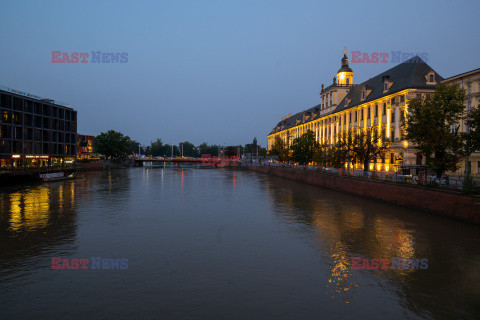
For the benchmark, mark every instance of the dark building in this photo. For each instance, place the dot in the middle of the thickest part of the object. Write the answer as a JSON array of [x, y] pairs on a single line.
[[35, 132]]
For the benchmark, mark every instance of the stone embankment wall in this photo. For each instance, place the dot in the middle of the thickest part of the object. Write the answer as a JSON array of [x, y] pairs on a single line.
[[445, 203]]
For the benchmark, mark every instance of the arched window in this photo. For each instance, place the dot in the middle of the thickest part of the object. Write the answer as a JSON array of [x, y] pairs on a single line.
[[348, 81]]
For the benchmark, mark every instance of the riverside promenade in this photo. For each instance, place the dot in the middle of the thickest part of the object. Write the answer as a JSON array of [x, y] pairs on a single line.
[[446, 203]]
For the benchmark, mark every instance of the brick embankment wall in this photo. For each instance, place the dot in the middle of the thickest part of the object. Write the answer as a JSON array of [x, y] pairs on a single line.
[[445, 203]]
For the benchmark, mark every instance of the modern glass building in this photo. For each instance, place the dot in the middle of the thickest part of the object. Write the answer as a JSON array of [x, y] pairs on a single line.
[[35, 132]]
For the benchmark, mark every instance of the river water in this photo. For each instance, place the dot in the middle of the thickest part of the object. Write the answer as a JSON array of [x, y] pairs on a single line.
[[225, 244]]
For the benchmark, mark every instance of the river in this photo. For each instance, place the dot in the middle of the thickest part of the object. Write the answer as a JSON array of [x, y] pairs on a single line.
[[225, 244]]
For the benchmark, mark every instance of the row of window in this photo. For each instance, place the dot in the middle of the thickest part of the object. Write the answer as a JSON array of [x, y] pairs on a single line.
[[19, 104], [36, 148], [19, 118], [22, 133]]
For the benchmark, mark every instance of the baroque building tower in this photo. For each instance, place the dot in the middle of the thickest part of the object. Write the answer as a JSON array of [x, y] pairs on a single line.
[[342, 83]]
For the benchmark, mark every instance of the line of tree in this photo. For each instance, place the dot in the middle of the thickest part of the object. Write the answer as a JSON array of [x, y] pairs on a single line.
[[363, 146], [115, 145], [157, 148]]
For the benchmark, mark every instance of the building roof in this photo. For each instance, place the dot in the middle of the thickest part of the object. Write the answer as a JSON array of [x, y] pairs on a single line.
[[407, 75], [460, 75]]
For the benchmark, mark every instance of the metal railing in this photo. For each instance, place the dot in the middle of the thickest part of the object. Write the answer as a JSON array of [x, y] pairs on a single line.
[[447, 182]]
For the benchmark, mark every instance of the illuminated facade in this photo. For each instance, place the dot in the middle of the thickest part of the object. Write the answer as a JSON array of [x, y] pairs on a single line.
[[35, 132], [470, 82], [84, 146], [381, 102]]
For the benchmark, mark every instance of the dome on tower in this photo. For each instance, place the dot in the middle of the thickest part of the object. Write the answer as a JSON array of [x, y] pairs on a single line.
[[345, 67]]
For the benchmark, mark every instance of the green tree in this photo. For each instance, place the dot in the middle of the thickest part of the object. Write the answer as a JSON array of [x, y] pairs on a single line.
[[189, 149], [112, 144], [367, 145], [262, 151], [280, 150], [208, 149], [323, 155], [156, 148], [432, 124], [230, 151], [304, 148], [472, 144], [472, 136], [135, 147], [253, 147], [342, 151]]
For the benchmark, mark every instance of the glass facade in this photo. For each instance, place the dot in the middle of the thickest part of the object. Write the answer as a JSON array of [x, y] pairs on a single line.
[[35, 132]]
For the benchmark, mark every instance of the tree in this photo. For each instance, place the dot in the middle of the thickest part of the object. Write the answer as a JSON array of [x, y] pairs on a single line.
[[170, 150], [342, 151], [189, 149], [112, 144], [208, 149], [367, 145], [323, 155], [304, 148], [135, 147], [262, 151], [252, 147], [230, 151], [432, 124], [156, 148], [472, 136], [280, 150]]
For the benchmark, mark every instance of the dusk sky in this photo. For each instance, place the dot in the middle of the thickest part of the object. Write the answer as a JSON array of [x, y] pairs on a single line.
[[220, 72]]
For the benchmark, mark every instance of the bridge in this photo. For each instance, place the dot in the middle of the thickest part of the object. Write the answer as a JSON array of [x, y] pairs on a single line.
[[204, 161]]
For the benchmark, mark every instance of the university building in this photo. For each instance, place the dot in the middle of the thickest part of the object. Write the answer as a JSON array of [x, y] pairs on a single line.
[[470, 82], [35, 132], [378, 102]]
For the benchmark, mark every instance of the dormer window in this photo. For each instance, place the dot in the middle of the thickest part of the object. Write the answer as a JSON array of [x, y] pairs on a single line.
[[430, 78], [386, 84], [363, 94]]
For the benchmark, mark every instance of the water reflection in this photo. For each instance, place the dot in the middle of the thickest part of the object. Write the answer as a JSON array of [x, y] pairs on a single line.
[[344, 226], [214, 241], [34, 222]]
